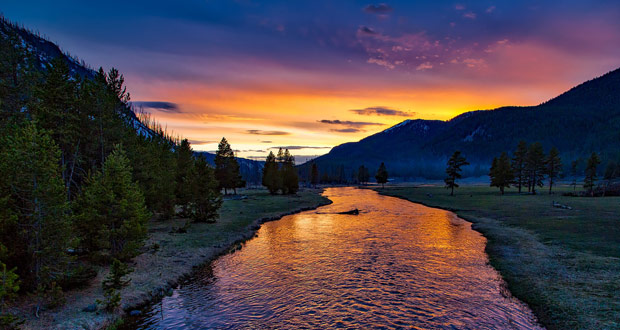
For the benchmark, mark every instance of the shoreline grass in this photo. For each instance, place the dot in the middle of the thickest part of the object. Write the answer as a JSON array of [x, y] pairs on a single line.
[[172, 257], [565, 264]]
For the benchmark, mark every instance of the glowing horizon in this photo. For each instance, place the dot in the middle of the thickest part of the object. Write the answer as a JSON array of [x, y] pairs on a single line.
[[324, 73]]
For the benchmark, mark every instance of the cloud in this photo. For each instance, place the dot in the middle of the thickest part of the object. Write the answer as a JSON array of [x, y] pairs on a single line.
[[266, 141], [201, 141], [363, 29], [490, 9], [470, 15], [168, 107], [347, 123], [346, 130], [382, 111], [424, 66], [459, 7], [259, 132], [299, 147], [380, 9]]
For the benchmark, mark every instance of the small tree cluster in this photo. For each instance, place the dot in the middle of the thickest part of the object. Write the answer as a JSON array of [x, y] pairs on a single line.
[[112, 285], [280, 174], [501, 173]]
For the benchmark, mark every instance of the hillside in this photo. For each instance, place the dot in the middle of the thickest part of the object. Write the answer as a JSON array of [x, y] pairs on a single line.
[[582, 120]]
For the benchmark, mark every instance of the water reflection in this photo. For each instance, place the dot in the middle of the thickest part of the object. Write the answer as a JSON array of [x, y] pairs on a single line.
[[396, 265]]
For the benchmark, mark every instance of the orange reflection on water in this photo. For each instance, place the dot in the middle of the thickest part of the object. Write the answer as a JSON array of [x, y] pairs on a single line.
[[396, 265]]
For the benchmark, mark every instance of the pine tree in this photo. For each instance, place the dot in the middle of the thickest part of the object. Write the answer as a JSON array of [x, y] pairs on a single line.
[[573, 173], [314, 175], [9, 286], [554, 166], [288, 173], [501, 173], [206, 198], [227, 168], [34, 223], [112, 285], [590, 178], [185, 164], [535, 166], [111, 213], [519, 164], [363, 175], [270, 174], [382, 175], [453, 170]]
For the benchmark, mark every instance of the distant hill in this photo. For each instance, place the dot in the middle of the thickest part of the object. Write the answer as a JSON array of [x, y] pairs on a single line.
[[582, 120], [251, 170]]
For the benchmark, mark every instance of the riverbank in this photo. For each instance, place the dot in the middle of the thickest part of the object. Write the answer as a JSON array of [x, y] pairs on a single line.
[[171, 257], [564, 263]]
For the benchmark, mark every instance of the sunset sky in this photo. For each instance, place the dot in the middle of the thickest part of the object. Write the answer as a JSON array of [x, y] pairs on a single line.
[[313, 74]]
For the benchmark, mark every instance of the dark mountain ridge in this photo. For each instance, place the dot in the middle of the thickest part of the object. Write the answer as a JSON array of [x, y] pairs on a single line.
[[584, 119]]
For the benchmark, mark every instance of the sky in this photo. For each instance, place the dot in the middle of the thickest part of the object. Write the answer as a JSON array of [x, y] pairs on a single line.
[[309, 75]]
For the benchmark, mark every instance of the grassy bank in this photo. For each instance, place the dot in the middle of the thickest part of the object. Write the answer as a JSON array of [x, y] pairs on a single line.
[[170, 257], [564, 263]]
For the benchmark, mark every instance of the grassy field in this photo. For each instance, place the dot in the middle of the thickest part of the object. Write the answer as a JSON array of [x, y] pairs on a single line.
[[170, 257], [564, 263]]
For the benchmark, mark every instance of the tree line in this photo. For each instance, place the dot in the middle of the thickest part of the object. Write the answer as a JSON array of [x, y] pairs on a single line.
[[82, 174], [280, 174]]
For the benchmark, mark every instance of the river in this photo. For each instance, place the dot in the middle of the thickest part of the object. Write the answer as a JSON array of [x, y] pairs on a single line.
[[395, 265]]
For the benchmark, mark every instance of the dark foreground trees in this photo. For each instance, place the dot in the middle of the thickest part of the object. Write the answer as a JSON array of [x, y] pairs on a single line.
[[280, 174], [453, 170], [363, 175], [111, 213]]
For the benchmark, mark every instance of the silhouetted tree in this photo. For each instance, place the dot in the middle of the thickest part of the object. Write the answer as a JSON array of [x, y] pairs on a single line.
[[227, 168], [382, 175], [573, 173], [453, 171], [184, 170], [554, 166], [205, 198], [288, 172], [535, 166], [271, 178], [519, 164], [590, 178], [363, 175], [501, 172], [314, 175]]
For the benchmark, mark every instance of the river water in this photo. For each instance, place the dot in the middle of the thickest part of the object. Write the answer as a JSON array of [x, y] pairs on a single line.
[[395, 265]]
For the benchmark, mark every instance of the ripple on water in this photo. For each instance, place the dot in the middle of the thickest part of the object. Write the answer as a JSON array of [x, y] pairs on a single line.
[[396, 265]]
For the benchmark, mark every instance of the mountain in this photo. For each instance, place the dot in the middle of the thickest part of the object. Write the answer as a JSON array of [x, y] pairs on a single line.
[[582, 120]]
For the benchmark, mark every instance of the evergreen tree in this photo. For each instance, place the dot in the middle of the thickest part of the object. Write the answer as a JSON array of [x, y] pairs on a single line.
[[227, 168], [34, 223], [382, 175], [363, 175], [590, 178], [341, 175], [501, 172], [554, 166], [185, 166], [270, 174], [453, 170], [535, 166], [112, 285], [573, 173], [611, 172], [519, 164], [314, 175], [288, 173], [206, 198], [9, 286], [111, 213]]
